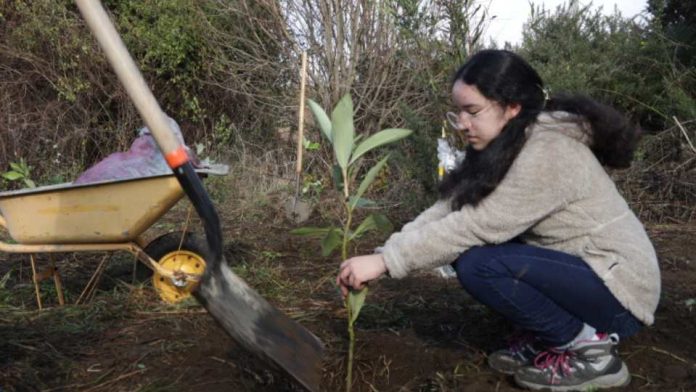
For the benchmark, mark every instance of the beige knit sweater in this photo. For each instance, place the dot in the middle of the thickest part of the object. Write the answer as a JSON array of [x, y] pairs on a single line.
[[555, 195]]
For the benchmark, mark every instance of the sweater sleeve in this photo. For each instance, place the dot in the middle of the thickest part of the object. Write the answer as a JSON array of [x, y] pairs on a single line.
[[541, 180]]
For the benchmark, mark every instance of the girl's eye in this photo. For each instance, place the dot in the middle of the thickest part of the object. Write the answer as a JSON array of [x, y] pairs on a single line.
[[474, 113]]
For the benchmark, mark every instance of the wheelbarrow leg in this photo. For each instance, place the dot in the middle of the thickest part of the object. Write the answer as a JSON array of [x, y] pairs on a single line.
[[58, 282], [36, 280], [37, 276]]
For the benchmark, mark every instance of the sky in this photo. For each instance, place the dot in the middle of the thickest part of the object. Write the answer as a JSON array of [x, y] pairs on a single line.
[[511, 14]]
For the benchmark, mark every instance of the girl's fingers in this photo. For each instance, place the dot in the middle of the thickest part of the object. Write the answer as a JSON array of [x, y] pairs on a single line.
[[345, 275]]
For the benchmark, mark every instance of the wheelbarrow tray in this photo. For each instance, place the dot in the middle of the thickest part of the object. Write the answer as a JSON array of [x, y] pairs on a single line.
[[100, 212]]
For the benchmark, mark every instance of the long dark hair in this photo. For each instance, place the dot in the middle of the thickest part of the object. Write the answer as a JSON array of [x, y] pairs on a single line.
[[506, 78]]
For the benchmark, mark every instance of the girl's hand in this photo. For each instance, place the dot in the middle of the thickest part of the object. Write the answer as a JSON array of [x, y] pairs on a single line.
[[357, 271]]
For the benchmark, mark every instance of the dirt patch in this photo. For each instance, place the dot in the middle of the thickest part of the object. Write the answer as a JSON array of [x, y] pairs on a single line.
[[422, 333]]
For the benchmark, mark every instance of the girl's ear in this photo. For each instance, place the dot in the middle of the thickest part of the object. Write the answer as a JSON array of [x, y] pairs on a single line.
[[512, 110]]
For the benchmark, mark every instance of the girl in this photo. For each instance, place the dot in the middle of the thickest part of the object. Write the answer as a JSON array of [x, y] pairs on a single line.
[[535, 226]]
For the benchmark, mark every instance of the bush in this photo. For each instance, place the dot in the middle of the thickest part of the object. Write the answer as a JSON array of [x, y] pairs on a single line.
[[620, 61]]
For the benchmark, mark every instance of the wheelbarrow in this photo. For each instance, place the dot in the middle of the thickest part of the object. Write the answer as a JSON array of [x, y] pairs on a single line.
[[107, 216]]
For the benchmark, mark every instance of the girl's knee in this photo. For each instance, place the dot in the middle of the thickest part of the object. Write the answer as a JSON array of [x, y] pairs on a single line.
[[472, 264]]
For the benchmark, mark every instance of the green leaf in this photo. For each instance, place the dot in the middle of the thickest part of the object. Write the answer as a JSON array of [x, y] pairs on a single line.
[[361, 202], [378, 139], [383, 223], [366, 225], [342, 130], [312, 231], [356, 300], [18, 167], [322, 119], [29, 183], [310, 145], [369, 178], [332, 239], [373, 221], [12, 175]]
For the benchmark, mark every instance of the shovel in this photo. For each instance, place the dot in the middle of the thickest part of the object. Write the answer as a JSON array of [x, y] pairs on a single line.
[[246, 316]]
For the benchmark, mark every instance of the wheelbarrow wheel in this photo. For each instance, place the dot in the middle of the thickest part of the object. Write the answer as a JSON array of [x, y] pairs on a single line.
[[185, 252]]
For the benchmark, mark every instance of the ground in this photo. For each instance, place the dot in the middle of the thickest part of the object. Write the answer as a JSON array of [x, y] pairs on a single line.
[[422, 333]]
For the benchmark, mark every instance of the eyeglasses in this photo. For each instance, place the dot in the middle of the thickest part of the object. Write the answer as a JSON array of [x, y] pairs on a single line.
[[454, 119]]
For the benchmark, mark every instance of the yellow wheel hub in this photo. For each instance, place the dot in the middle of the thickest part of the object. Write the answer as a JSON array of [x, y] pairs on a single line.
[[178, 261]]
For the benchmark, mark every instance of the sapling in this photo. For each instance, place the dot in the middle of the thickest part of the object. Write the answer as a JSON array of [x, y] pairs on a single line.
[[348, 153]]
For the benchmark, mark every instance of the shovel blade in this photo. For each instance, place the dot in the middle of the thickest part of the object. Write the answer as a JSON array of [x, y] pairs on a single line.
[[261, 328]]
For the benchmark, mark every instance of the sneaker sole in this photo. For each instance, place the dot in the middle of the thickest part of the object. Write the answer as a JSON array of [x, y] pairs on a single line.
[[504, 369], [619, 379]]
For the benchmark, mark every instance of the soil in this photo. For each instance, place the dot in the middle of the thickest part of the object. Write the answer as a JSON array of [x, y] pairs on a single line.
[[422, 333]]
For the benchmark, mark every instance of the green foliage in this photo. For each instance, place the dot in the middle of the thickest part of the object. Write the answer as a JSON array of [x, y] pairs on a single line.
[[163, 35], [355, 304], [340, 132], [49, 29], [310, 145], [322, 119], [223, 130], [19, 172], [312, 187], [617, 60], [366, 182], [372, 222], [167, 39], [677, 20]]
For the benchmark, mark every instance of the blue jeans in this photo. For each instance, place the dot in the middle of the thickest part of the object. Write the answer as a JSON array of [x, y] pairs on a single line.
[[546, 292]]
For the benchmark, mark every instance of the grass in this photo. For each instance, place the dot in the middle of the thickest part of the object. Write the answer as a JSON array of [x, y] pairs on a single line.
[[266, 274]]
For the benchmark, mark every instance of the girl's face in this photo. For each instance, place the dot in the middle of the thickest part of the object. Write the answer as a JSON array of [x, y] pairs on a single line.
[[481, 119]]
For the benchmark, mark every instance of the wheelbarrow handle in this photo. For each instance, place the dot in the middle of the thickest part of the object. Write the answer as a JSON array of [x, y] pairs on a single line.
[[128, 73]]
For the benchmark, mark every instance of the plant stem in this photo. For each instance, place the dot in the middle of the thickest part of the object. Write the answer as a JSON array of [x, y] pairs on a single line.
[[351, 331], [351, 349], [346, 191], [346, 231]]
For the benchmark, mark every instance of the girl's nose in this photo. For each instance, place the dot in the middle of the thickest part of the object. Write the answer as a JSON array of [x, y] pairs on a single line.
[[464, 121]]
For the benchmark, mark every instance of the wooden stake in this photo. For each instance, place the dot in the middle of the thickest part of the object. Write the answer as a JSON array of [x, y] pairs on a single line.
[[300, 129]]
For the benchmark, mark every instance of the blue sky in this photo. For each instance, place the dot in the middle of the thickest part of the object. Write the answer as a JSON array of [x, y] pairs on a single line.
[[511, 14]]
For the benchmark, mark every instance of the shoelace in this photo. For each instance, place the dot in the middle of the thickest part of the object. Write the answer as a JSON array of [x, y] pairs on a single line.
[[557, 362]]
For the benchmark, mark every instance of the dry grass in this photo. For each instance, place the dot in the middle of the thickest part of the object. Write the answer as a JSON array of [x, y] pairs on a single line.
[[661, 184]]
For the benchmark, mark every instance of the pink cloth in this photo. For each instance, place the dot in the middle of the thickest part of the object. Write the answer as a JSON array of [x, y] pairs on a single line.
[[143, 159]]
